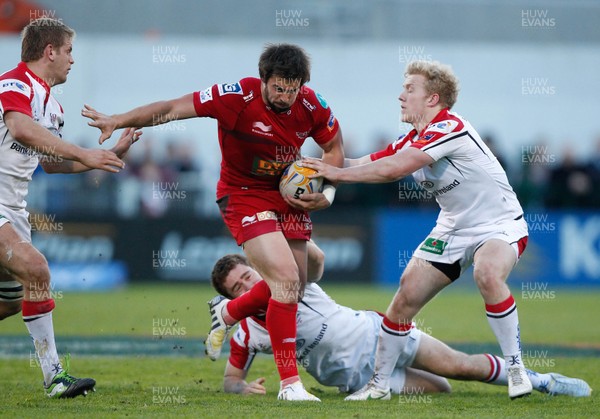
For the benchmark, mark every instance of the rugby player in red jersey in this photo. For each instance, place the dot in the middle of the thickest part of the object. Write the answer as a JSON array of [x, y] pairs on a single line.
[[262, 123]]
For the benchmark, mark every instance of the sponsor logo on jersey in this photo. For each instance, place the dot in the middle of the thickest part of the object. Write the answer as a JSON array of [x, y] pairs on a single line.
[[315, 342], [308, 105], [262, 129], [206, 95], [249, 96], [322, 101], [331, 122], [446, 188], [230, 89], [261, 126], [444, 127], [22, 149], [433, 245], [14, 85], [302, 135], [247, 220], [427, 184], [262, 167]]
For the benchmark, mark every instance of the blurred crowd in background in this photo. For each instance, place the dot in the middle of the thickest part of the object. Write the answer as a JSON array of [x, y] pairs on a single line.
[[172, 182]]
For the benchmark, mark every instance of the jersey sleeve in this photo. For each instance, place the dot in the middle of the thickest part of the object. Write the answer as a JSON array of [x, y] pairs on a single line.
[[241, 355], [15, 95], [391, 149], [440, 139], [326, 124], [222, 101]]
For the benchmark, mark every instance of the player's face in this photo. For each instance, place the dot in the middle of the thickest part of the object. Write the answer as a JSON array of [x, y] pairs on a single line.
[[280, 93], [413, 99], [63, 60], [241, 279]]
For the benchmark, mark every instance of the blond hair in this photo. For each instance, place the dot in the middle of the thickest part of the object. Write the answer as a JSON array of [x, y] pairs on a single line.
[[41, 32], [439, 79]]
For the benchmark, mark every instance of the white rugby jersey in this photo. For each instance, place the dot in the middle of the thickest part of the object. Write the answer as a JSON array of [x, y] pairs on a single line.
[[22, 91], [466, 179], [335, 344]]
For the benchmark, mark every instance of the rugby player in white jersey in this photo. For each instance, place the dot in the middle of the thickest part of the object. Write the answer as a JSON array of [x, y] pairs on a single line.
[[480, 223], [336, 344], [31, 122]]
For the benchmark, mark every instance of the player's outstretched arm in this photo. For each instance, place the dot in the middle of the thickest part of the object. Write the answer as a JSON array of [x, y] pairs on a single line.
[[144, 116], [387, 169], [234, 382], [23, 128], [54, 165]]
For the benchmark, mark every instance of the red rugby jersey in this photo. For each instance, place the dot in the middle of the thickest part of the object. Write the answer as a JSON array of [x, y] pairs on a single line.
[[256, 142]]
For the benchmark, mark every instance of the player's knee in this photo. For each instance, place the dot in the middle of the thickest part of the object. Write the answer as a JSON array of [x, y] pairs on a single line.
[[487, 276], [285, 285], [8, 309], [37, 274]]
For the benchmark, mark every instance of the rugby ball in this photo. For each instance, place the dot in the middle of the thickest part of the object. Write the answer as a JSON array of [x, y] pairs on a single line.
[[295, 181]]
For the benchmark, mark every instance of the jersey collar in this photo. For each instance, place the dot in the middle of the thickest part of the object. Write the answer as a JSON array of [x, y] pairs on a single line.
[[441, 116], [23, 67]]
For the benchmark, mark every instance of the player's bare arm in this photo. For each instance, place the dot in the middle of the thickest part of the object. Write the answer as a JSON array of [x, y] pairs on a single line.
[[333, 154], [357, 162], [26, 131], [144, 116], [387, 169], [128, 138], [234, 381]]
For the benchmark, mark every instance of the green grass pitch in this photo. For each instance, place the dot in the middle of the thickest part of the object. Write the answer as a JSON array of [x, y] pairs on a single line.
[[559, 328]]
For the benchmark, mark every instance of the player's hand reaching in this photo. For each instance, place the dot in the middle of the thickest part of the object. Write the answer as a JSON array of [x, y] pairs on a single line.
[[106, 124], [101, 159], [308, 202], [255, 387], [323, 169], [128, 138]]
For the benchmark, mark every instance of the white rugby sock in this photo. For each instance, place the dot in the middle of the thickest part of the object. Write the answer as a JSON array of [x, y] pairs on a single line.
[[392, 340], [41, 330], [504, 321]]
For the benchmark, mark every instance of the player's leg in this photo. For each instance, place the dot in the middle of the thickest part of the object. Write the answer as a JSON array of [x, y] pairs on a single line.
[[28, 266], [411, 382], [316, 262], [493, 262], [11, 296], [438, 358], [255, 301], [282, 265], [419, 382], [419, 283]]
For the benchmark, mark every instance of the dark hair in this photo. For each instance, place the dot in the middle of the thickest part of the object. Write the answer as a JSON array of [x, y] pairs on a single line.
[[284, 60], [40, 33], [222, 269]]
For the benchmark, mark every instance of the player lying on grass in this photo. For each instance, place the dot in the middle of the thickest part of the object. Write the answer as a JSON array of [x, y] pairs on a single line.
[[336, 354]]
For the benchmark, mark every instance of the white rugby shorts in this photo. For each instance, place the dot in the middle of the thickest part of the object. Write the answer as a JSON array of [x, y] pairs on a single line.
[[448, 247]]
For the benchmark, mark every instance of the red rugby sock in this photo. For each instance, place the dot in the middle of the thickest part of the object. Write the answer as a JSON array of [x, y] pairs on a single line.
[[251, 303], [281, 324]]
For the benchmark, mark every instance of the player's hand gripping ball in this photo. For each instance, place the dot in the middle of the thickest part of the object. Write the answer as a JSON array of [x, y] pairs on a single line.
[[295, 181]]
